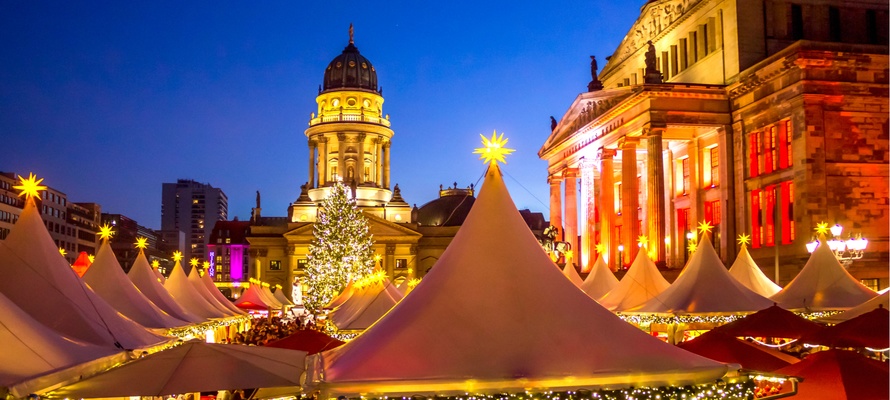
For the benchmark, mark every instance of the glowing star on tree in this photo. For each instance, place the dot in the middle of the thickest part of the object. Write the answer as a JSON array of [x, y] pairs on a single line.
[[30, 187], [704, 227], [744, 239], [105, 232], [141, 243], [494, 149], [177, 255], [822, 228]]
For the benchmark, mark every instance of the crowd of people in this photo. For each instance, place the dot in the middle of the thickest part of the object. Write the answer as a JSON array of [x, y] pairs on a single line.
[[267, 330]]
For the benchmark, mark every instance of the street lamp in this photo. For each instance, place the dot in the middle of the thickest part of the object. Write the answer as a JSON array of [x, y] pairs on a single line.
[[621, 256], [853, 248]]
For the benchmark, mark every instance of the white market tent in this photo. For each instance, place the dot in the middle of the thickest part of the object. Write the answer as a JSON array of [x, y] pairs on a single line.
[[106, 277], [642, 282], [465, 328], [746, 272], [705, 287], [40, 282], [823, 284], [267, 294], [365, 307], [279, 295], [341, 298], [600, 281], [34, 357], [143, 276], [881, 300], [221, 298], [253, 299], [570, 273], [194, 278], [188, 297]]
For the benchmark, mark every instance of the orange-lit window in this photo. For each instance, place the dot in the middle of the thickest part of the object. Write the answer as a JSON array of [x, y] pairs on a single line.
[[770, 230], [754, 154], [618, 199], [715, 167], [712, 212], [788, 233], [789, 135], [770, 150], [687, 185], [756, 218]]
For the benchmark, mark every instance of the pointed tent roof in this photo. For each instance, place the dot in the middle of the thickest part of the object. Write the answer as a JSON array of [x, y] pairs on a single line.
[[570, 273], [194, 278], [107, 278], [705, 287], [341, 298], [254, 300], [279, 295], [267, 294], [30, 349], [159, 275], [771, 322], [42, 284], [142, 275], [465, 328], [725, 348], [881, 300], [188, 297], [746, 272], [221, 298], [366, 307], [642, 282], [81, 263], [840, 374], [600, 280], [823, 284]]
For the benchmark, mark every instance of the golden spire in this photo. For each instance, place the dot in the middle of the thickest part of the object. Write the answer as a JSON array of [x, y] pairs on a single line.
[[30, 187], [494, 149]]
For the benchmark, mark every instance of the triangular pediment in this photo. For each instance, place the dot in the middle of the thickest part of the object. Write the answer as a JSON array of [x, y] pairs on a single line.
[[587, 108]]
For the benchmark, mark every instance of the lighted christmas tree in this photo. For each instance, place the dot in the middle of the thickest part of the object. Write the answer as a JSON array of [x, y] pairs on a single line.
[[341, 250]]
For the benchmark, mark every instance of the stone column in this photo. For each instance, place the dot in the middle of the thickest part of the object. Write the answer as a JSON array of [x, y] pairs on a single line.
[[588, 199], [390, 260], [571, 213], [322, 161], [630, 224], [378, 162], [341, 157], [386, 151], [607, 206], [312, 161], [360, 162], [655, 193], [556, 205]]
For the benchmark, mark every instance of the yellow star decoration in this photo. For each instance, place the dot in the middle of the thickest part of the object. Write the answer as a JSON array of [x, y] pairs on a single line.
[[822, 228], [91, 258], [643, 240], [63, 252], [744, 239], [569, 253], [692, 247], [494, 149], [105, 232], [141, 243], [155, 264], [177, 255], [193, 262], [704, 226], [206, 264], [600, 248], [30, 187], [377, 257]]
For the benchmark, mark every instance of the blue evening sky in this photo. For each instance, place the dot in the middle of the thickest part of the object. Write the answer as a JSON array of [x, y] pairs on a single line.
[[108, 100]]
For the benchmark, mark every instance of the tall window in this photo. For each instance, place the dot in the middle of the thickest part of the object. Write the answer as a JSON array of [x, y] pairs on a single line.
[[770, 211], [683, 230], [834, 24], [619, 203], [788, 232], [756, 218], [770, 150], [754, 154], [687, 184], [796, 22], [714, 161], [788, 135]]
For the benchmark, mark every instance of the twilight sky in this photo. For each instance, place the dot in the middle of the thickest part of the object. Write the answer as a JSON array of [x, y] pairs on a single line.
[[108, 100]]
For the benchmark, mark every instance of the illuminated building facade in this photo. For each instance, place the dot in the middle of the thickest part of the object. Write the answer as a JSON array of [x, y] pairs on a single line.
[[762, 117], [192, 208]]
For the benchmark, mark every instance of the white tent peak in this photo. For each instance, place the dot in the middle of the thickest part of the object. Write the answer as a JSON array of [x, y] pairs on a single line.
[[187, 295], [823, 284], [221, 298], [746, 272], [194, 278], [572, 274], [642, 282], [600, 280], [40, 282], [466, 327], [143, 276], [704, 287]]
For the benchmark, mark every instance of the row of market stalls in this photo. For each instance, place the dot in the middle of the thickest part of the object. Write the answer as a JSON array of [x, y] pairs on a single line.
[[259, 297]]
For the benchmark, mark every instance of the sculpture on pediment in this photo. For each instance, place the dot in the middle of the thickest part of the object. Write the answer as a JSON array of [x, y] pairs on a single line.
[[595, 83], [652, 73], [552, 124]]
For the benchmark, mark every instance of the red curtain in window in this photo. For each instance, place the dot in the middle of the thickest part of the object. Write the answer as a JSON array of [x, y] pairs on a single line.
[[770, 215], [770, 158], [756, 218], [789, 135], [754, 154], [788, 233], [783, 148]]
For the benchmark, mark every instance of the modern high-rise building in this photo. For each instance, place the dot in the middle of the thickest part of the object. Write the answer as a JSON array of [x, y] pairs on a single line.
[[192, 208]]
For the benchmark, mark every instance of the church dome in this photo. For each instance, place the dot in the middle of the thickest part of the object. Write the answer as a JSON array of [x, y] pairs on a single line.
[[450, 209], [350, 70]]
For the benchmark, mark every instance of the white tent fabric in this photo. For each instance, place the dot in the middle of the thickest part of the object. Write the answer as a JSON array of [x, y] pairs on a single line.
[[341, 298], [187, 296], [465, 328], [705, 287], [31, 350], [106, 277], [221, 298], [366, 306], [252, 298], [142, 275], [279, 295], [570, 273], [600, 281], [37, 279], [642, 282], [194, 278], [161, 278], [746, 272], [823, 284], [267, 294], [881, 300]]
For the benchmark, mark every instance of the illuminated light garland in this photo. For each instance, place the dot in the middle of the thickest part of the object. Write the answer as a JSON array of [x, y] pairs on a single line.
[[198, 330], [775, 346], [718, 390], [645, 320], [877, 350]]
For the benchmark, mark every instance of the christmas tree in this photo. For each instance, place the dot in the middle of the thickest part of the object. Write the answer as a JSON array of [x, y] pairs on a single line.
[[341, 250]]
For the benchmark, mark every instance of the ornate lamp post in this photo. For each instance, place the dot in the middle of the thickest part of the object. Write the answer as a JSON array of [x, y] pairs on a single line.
[[853, 248]]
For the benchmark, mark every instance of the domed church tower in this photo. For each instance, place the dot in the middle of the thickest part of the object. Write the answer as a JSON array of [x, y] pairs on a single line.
[[349, 141]]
